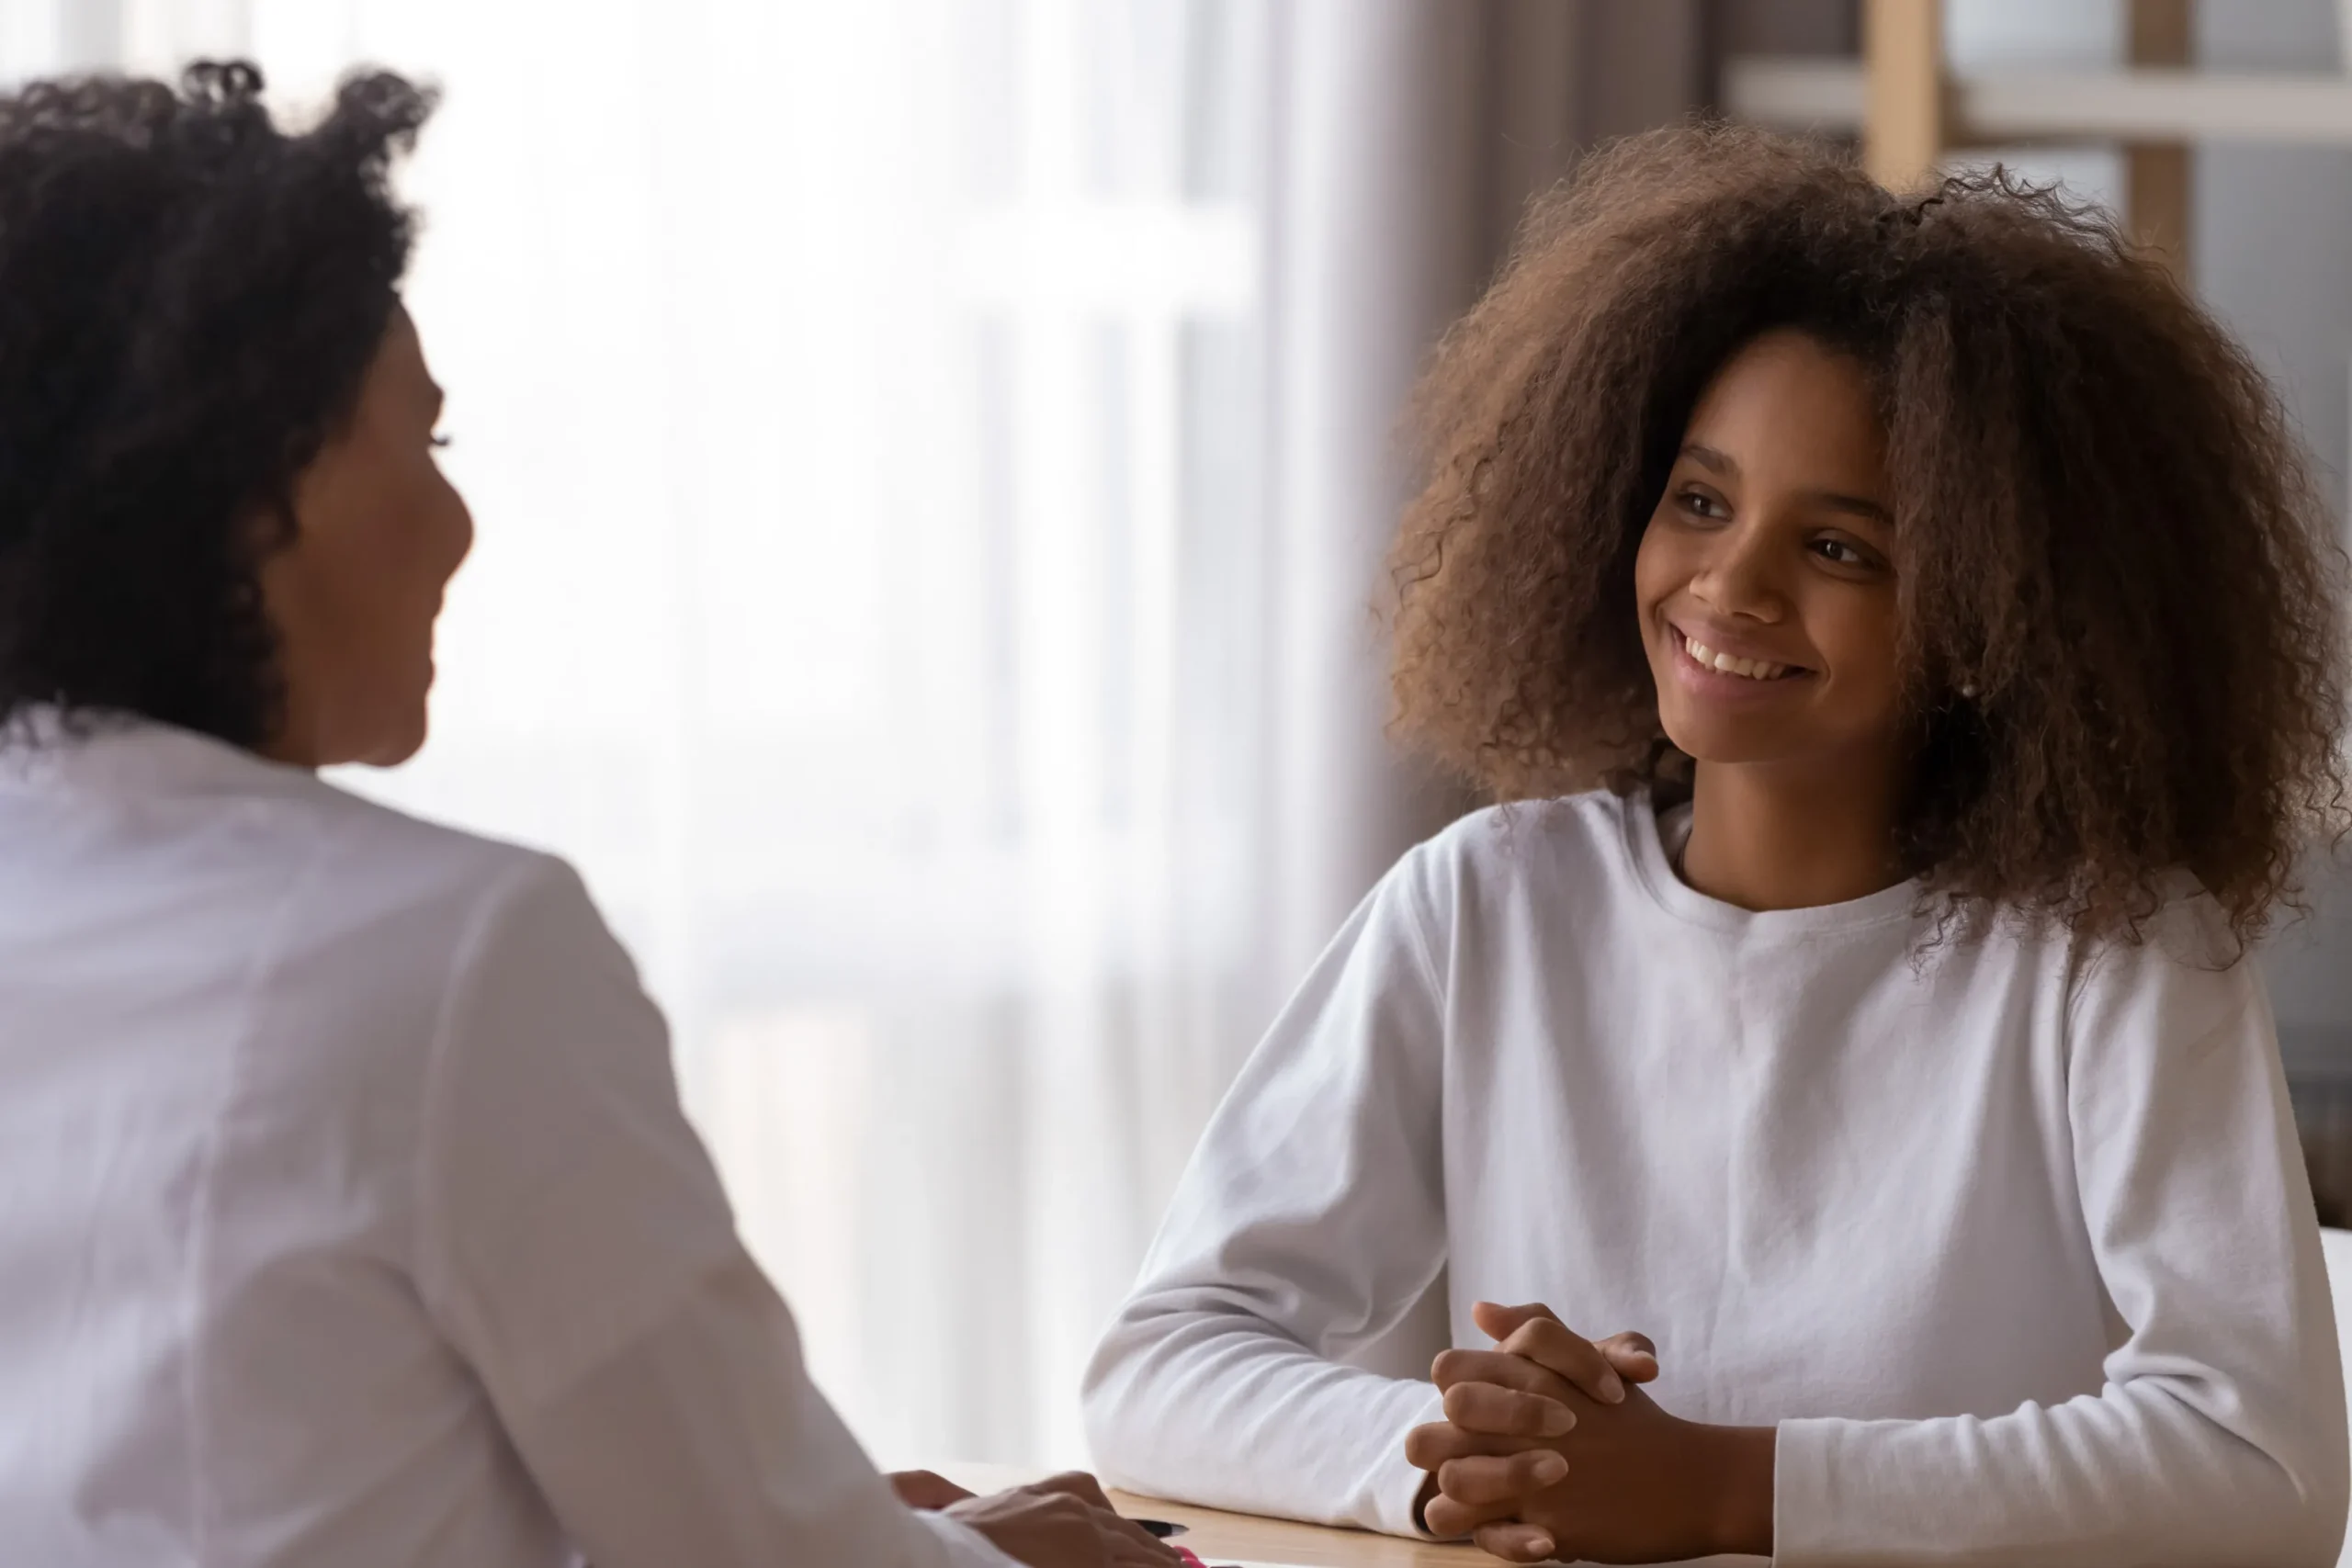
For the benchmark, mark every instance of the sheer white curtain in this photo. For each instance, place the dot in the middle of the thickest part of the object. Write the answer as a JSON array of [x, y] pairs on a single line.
[[932, 459], [862, 407]]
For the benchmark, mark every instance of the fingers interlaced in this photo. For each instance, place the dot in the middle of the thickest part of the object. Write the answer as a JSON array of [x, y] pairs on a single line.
[[1504, 1409], [1515, 1542], [1506, 1412], [1484, 1489], [1501, 1322], [1500, 1368], [1448, 1518], [1513, 1479], [1632, 1355], [1544, 1342], [1638, 1344], [1426, 1448]]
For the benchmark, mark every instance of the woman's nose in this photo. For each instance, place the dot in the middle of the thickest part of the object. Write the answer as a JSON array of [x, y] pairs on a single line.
[[1739, 576]]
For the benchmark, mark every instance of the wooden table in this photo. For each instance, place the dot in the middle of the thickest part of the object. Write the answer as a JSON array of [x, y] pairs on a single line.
[[1233, 1538]]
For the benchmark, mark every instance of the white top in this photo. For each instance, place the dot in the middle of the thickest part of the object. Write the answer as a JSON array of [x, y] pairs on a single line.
[[2010, 1237], [346, 1212]]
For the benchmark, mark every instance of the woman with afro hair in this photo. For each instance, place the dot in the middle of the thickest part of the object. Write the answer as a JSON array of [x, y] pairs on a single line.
[[347, 1215], [1902, 640]]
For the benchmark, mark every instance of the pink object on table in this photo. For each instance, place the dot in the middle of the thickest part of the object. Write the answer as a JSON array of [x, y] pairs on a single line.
[[1193, 1562]]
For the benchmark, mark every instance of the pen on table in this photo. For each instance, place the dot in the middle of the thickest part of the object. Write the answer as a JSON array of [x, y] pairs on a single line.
[[1160, 1528]]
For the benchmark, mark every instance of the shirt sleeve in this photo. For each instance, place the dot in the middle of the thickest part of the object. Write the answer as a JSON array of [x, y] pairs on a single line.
[[703, 1441], [574, 1245], [1311, 1221], [2219, 1435]]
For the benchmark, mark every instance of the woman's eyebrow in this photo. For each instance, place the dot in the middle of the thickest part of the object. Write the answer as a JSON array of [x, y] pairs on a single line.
[[1853, 506], [1861, 506], [1708, 457]]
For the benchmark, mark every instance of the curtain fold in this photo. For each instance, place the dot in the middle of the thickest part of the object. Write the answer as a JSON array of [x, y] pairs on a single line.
[[1409, 137]]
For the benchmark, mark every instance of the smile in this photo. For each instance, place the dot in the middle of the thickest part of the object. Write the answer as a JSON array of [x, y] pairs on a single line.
[[1720, 663]]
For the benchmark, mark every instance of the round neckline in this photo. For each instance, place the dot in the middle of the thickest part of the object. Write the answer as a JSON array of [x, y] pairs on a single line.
[[1646, 848]]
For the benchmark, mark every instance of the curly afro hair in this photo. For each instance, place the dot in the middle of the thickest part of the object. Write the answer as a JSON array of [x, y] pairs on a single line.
[[2108, 533], [190, 297]]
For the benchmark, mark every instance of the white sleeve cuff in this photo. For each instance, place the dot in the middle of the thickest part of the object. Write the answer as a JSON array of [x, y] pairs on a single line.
[[1399, 1484], [1803, 1491]]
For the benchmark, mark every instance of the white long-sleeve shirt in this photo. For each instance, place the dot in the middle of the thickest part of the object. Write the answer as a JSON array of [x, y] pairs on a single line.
[[2010, 1235], [347, 1215]]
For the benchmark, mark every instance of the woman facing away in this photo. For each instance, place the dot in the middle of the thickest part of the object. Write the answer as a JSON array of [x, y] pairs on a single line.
[[1937, 599], [346, 1212]]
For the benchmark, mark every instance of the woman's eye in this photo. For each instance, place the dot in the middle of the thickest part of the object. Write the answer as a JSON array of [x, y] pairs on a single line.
[[1840, 552], [1700, 505]]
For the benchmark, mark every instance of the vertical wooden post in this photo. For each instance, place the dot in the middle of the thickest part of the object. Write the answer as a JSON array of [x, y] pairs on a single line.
[[1903, 90], [2156, 176]]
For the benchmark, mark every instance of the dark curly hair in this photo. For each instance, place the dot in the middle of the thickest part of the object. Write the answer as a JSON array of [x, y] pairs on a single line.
[[190, 297], [2107, 531]]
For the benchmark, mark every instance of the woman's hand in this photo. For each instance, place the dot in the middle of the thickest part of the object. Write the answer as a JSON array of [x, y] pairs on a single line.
[[1525, 1389], [1523, 1383], [1066, 1522], [924, 1490], [1634, 1485]]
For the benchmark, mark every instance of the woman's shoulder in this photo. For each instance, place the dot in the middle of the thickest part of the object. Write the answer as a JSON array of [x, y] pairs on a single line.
[[1584, 846], [403, 855], [415, 897], [1509, 841], [421, 923], [2178, 971], [118, 791], [2184, 947]]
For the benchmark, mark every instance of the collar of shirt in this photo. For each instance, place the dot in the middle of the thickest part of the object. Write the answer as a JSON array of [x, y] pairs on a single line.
[[122, 753]]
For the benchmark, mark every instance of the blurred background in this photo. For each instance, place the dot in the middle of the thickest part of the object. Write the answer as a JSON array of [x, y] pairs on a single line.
[[932, 459]]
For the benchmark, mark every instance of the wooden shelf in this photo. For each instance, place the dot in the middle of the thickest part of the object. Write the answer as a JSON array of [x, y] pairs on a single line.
[[1795, 93], [2011, 105]]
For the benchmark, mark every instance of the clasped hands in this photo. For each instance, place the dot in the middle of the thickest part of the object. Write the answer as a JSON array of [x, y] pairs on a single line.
[[1551, 1449]]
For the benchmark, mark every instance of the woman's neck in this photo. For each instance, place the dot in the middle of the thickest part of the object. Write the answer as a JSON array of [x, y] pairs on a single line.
[[1766, 838]]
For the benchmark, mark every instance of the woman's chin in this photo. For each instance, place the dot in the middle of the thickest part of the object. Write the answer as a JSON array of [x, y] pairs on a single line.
[[1722, 744], [389, 742], [399, 749]]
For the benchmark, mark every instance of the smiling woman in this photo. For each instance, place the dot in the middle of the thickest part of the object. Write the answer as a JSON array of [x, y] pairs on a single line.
[[1766, 588], [1936, 593], [2061, 751]]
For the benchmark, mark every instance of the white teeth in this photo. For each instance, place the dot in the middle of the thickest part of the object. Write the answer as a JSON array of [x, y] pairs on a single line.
[[1731, 664]]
